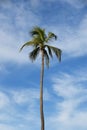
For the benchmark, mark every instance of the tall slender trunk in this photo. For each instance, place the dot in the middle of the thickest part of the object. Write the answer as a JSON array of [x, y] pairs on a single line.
[[41, 92]]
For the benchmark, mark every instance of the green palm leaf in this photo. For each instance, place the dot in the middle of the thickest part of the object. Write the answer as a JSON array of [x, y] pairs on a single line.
[[51, 36], [56, 51], [38, 32], [33, 54], [30, 43], [37, 41]]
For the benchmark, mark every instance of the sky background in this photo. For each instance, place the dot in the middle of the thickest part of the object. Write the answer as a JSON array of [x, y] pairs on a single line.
[[65, 83]]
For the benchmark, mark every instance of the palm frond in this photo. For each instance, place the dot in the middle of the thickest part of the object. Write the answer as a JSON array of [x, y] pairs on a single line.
[[33, 54], [34, 32], [46, 56], [56, 51], [37, 41], [49, 50], [38, 32], [51, 36], [26, 44]]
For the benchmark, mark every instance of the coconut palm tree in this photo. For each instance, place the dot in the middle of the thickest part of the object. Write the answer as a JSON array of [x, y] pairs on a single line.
[[39, 42]]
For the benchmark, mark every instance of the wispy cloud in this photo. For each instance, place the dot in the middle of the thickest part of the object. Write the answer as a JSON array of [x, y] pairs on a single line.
[[13, 24], [28, 95], [71, 88], [35, 3], [72, 40], [4, 100], [20, 107], [12, 110], [77, 3]]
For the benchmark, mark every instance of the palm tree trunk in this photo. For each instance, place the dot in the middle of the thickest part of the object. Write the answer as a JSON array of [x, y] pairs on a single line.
[[41, 92]]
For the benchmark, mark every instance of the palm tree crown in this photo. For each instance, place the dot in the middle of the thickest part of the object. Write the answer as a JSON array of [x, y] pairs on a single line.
[[40, 42]]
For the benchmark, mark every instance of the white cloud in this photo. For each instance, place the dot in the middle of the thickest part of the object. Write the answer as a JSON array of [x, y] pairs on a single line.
[[10, 113], [20, 107], [6, 127], [72, 41], [28, 96], [77, 3], [21, 126], [13, 100], [9, 48], [13, 35], [8, 54], [69, 85], [25, 96], [72, 89], [4, 100], [35, 3]]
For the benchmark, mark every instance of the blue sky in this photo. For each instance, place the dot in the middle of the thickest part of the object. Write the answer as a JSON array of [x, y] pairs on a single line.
[[65, 83]]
